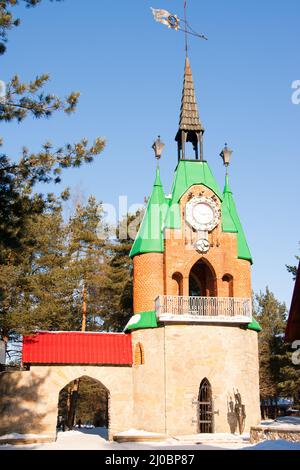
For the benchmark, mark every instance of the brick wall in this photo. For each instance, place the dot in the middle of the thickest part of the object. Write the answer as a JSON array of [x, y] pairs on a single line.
[[147, 281], [156, 273], [180, 255]]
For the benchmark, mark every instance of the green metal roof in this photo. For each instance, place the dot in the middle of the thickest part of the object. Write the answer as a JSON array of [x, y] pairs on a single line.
[[164, 212], [187, 174], [243, 249], [150, 237], [254, 325], [191, 172], [228, 224], [141, 321]]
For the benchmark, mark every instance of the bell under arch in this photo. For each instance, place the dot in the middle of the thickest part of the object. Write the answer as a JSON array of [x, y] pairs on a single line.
[[202, 280]]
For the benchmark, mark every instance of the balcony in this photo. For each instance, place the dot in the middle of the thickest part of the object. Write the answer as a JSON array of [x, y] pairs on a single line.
[[203, 309]]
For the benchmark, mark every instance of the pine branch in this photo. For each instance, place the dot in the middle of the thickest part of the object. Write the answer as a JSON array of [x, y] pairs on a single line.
[[23, 99]]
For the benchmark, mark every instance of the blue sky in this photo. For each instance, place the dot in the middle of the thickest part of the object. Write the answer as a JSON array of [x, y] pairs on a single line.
[[129, 70]]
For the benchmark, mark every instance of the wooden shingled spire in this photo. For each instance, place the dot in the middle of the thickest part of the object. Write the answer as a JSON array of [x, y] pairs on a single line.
[[190, 127]]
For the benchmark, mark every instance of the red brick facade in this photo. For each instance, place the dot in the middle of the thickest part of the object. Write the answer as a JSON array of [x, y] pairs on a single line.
[[169, 273]]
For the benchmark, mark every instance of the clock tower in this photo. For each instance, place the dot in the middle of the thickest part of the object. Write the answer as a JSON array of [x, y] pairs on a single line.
[[194, 338]]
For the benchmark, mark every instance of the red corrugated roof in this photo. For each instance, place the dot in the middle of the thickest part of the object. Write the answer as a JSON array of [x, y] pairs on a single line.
[[77, 348]]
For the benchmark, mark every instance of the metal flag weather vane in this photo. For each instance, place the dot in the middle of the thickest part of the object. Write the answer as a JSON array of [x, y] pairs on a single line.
[[174, 22]]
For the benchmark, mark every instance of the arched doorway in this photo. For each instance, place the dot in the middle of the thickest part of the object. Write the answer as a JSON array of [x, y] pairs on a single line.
[[202, 280], [83, 404], [205, 406]]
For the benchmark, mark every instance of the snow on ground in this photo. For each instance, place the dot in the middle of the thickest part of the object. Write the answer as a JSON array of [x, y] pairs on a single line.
[[279, 444], [15, 435], [136, 432], [286, 422], [95, 439]]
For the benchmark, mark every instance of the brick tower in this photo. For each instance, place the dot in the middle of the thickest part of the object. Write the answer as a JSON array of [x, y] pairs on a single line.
[[194, 339]]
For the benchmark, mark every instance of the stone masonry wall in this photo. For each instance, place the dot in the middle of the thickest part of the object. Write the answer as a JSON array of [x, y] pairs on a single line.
[[28, 400], [148, 382], [227, 356], [177, 359]]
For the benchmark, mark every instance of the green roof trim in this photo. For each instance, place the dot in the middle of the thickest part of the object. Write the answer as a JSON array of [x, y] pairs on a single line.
[[187, 174], [142, 320], [243, 249], [150, 236], [228, 224], [254, 325]]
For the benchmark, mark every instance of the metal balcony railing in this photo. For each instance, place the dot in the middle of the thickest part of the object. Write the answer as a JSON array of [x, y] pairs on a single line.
[[204, 309]]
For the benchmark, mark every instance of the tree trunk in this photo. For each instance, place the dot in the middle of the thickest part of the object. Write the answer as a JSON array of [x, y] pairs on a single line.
[[72, 400], [83, 326]]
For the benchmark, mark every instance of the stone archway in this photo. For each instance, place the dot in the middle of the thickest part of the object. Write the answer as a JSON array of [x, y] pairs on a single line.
[[84, 403], [202, 280], [37, 392]]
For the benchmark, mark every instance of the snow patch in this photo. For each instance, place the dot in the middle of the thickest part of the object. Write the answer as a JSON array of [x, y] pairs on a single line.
[[137, 432], [286, 422], [133, 320], [15, 435], [279, 444]]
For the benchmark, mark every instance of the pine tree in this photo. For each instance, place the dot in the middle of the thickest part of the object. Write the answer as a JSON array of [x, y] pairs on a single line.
[[88, 243], [18, 177], [117, 288], [34, 254], [292, 268], [289, 384], [41, 288], [271, 315]]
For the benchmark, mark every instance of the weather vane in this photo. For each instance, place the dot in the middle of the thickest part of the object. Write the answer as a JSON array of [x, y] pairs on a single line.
[[172, 21]]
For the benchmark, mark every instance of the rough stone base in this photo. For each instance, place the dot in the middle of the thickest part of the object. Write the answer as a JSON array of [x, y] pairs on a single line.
[[27, 440], [272, 433]]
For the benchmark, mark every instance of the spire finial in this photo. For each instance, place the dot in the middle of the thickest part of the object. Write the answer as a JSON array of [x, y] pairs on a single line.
[[185, 33]]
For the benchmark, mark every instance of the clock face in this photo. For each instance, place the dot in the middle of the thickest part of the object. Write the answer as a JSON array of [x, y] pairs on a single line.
[[203, 213]]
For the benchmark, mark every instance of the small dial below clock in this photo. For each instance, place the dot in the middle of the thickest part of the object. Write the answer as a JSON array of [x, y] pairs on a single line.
[[202, 245]]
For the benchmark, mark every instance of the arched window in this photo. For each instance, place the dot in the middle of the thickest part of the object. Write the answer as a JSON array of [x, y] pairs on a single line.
[[177, 284], [202, 280], [228, 282], [139, 354], [205, 402]]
